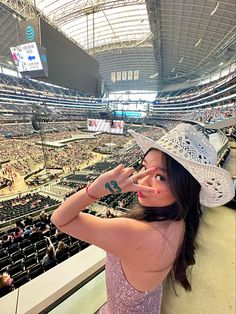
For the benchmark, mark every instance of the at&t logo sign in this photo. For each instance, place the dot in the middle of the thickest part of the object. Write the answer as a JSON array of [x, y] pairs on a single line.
[[30, 33]]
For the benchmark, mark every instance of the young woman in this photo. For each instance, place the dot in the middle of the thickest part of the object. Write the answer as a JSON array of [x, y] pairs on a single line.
[[177, 173]]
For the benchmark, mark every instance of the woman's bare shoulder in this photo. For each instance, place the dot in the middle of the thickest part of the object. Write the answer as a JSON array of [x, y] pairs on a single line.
[[158, 244]]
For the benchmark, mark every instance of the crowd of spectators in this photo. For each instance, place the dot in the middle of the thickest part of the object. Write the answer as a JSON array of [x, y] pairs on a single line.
[[211, 114], [21, 129], [4, 182], [23, 205], [46, 246], [24, 156], [32, 247], [129, 156], [197, 92], [35, 88]]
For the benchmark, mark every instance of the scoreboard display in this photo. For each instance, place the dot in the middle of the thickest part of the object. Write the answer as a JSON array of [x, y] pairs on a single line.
[[30, 60], [107, 126], [26, 57]]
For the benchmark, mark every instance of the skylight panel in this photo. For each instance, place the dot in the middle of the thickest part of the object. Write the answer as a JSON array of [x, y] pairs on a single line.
[[105, 26]]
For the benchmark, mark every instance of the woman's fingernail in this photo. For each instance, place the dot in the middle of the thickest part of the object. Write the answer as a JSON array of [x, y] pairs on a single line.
[[154, 169]]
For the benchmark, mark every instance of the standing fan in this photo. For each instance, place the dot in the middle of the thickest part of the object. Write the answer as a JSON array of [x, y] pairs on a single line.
[[36, 121], [39, 118]]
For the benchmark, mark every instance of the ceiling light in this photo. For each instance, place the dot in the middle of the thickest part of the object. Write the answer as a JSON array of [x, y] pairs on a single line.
[[198, 42], [153, 75], [214, 11], [145, 38], [181, 59], [172, 70], [179, 74]]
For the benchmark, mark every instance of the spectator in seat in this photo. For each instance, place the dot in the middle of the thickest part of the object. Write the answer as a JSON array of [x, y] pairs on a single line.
[[20, 223], [28, 221], [6, 284], [122, 203], [155, 239], [36, 235], [59, 235], [62, 248], [45, 229], [49, 258], [44, 217], [7, 240], [231, 133], [27, 232], [109, 214], [18, 234]]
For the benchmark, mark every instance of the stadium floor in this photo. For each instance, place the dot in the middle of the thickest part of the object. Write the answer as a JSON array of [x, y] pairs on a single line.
[[21, 187]]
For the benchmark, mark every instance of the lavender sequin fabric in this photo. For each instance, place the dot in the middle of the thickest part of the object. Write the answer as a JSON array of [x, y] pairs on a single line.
[[122, 298]]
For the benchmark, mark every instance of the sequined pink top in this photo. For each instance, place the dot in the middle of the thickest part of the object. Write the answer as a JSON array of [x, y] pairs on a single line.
[[122, 298]]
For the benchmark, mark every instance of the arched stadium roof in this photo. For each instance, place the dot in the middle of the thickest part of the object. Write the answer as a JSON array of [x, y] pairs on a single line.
[[161, 42]]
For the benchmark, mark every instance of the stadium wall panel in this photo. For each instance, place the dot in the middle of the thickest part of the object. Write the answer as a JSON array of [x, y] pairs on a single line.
[[68, 64]]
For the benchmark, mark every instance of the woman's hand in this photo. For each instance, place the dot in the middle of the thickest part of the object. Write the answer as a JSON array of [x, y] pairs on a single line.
[[120, 180]]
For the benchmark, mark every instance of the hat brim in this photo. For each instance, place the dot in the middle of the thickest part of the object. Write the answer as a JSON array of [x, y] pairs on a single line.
[[216, 183]]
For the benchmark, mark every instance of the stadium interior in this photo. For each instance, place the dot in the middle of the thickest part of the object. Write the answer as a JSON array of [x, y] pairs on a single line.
[[75, 76]]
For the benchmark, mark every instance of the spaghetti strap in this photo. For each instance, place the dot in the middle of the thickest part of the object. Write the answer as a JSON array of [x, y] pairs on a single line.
[[167, 240]]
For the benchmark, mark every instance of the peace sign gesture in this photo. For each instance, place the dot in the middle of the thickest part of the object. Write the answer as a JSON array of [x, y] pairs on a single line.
[[120, 180]]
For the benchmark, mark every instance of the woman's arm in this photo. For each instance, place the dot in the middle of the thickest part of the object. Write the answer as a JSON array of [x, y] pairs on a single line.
[[117, 180], [113, 235], [70, 208]]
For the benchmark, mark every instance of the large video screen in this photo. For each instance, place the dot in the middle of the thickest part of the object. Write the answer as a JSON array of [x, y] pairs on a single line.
[[68, 64], [30, 60], [26, 57], [107, 126]]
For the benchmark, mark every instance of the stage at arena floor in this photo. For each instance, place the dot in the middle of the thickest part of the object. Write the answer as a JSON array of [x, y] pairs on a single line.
[[63, 143]]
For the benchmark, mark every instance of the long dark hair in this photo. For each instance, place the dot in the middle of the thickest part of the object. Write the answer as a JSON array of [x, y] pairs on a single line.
[[186, 190]]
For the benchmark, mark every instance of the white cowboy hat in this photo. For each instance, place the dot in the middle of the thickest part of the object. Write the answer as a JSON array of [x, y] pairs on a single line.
[[195, 153]]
